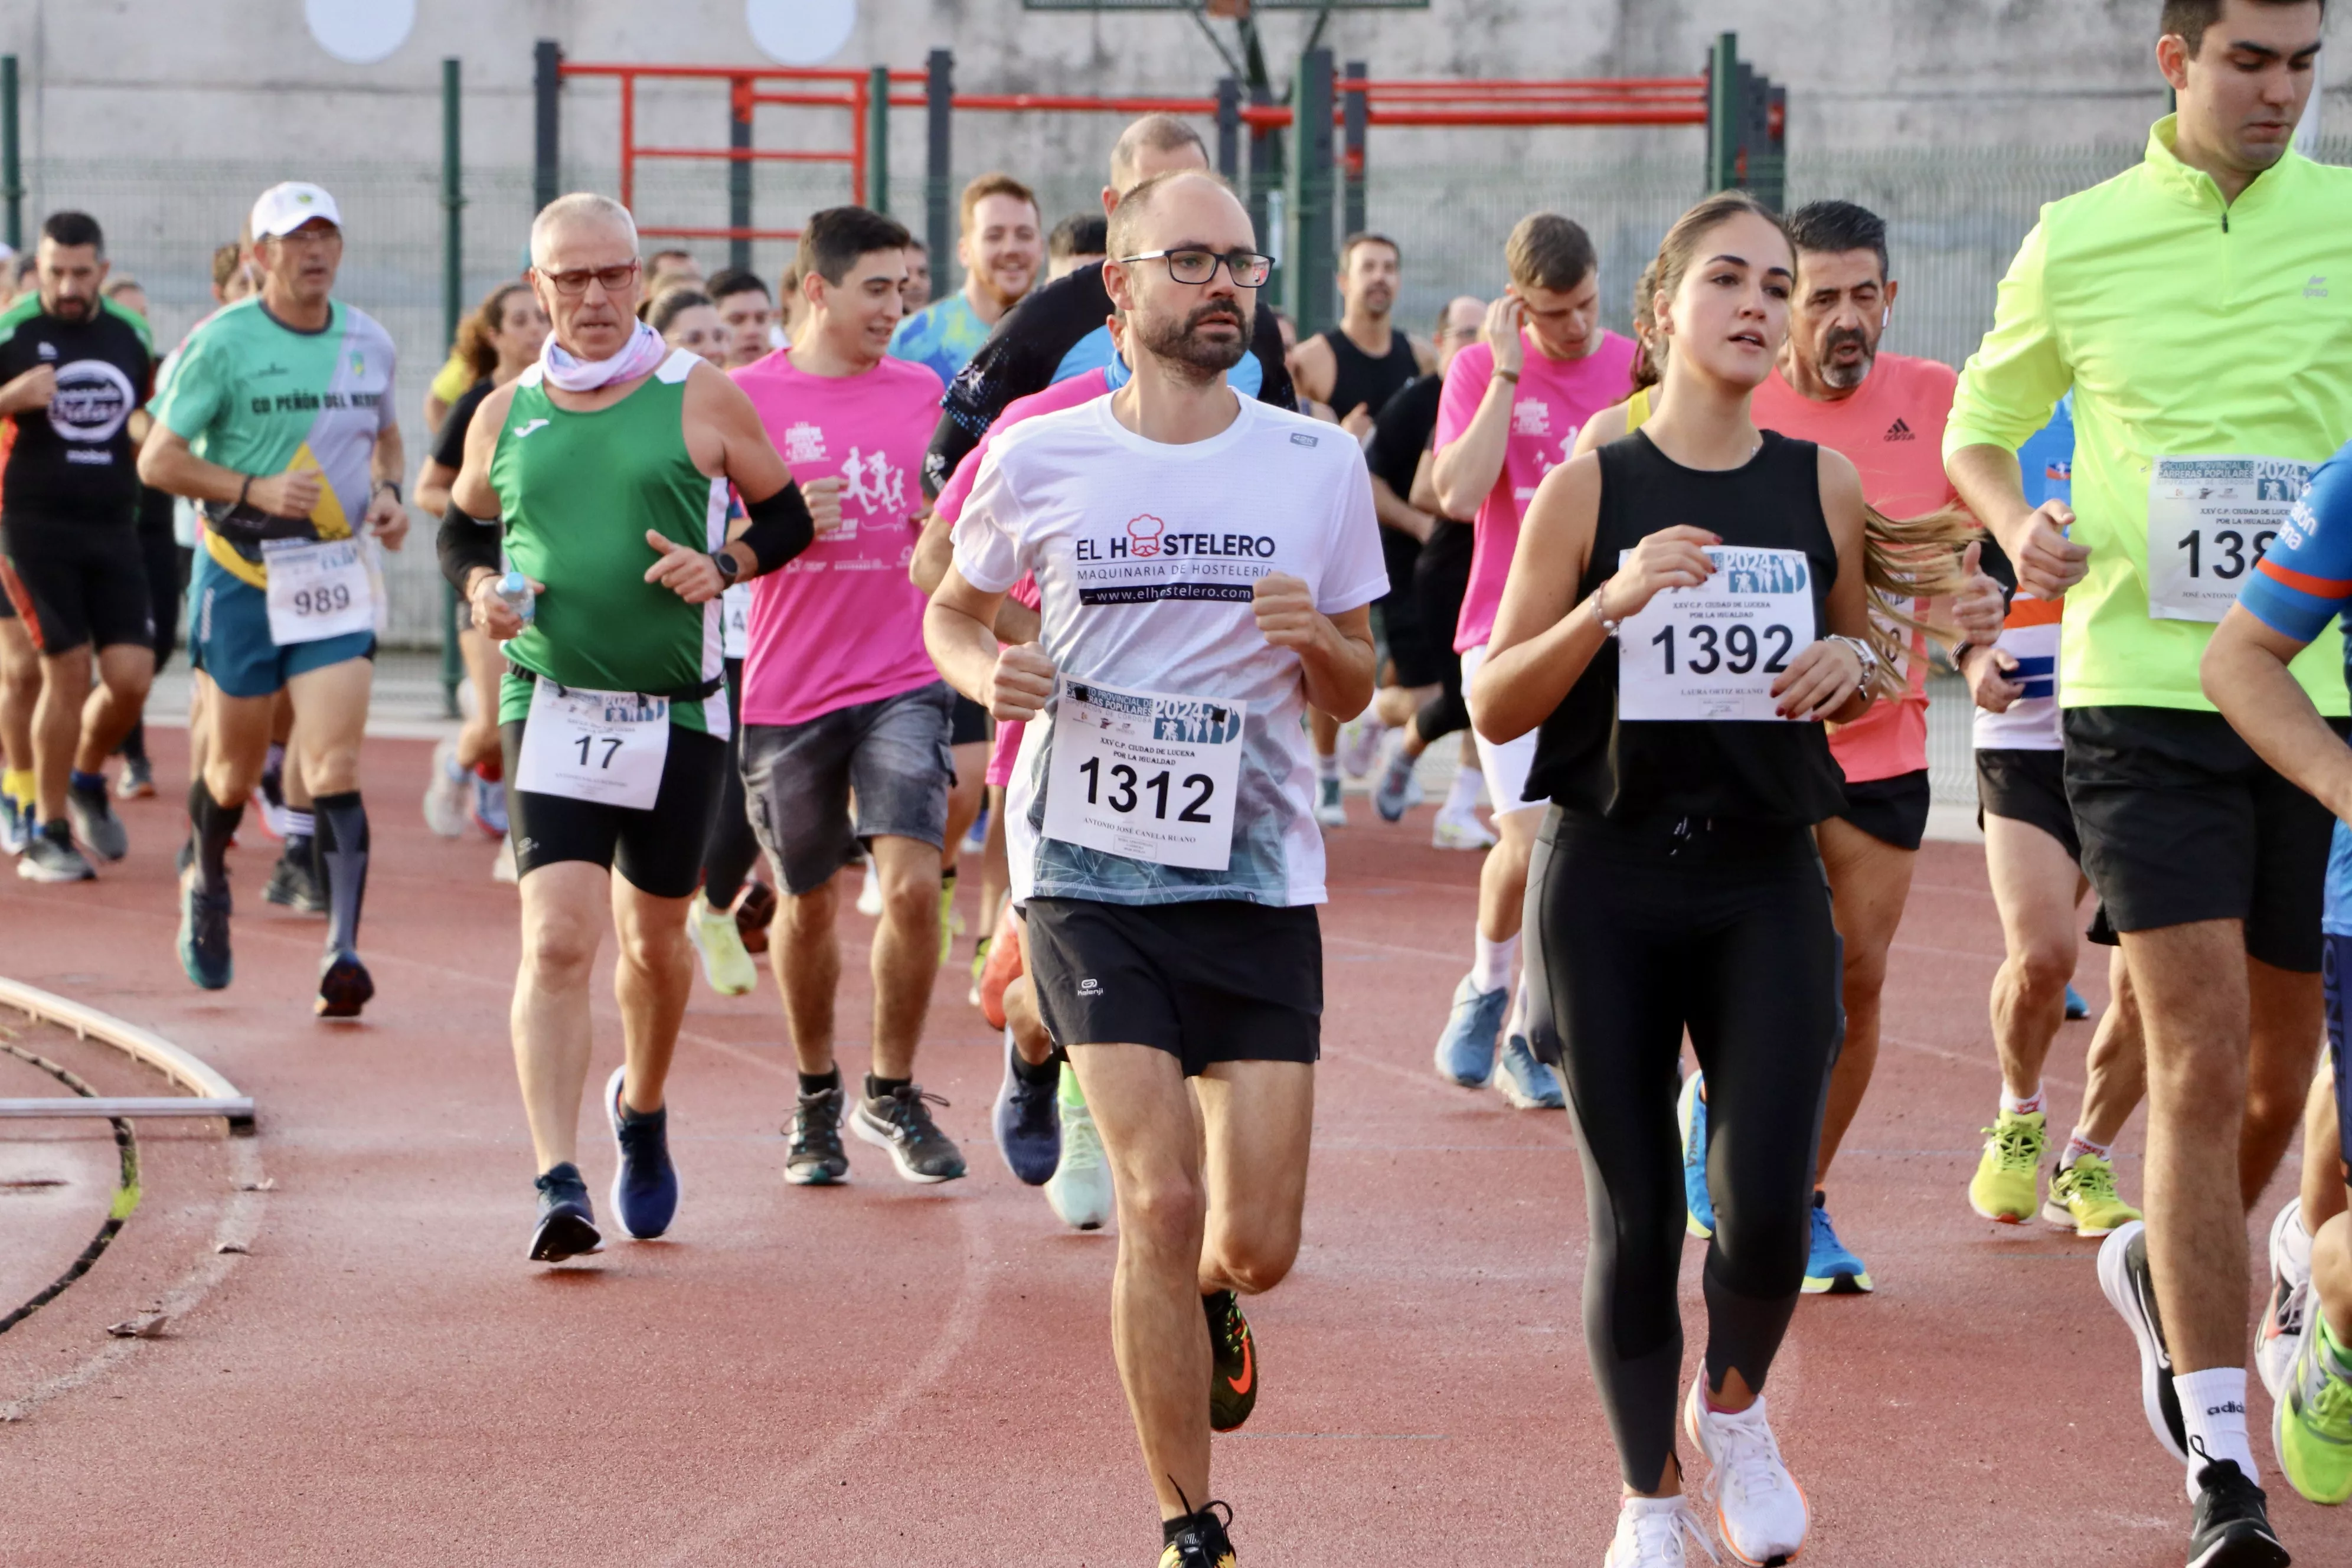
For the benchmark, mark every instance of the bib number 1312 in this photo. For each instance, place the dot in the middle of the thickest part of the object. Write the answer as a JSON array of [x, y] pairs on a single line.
[[1144, 774], [1128, 788]]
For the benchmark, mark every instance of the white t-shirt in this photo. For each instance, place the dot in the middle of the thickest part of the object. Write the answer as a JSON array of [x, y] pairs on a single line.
[[1145, 556]]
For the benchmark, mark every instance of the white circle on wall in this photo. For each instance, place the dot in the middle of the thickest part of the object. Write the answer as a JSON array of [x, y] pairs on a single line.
[[800, 32], [360, 31]]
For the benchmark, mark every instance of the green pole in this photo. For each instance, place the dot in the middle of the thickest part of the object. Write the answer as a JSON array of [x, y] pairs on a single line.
[[1310, 289], [1723, 127], [877, 139], [12, 158], [453, 308]]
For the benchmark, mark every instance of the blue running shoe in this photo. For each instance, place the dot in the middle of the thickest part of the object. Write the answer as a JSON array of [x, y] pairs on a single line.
[[1028, 1121], [1698, 1208], [203, 935], [1465, 1051], [2076, 1008], [1834, 1269], [645, 1187], [1398, 792], [1525, 1081], [567, 1225]]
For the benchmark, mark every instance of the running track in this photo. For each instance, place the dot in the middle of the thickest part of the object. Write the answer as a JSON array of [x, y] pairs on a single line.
[[902, 1375]]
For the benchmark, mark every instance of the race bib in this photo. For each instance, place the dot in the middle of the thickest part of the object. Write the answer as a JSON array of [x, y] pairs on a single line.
[[2209, 520], [735, 621], [318, 589], [1713, 651], [603, 746], [1144, 776]]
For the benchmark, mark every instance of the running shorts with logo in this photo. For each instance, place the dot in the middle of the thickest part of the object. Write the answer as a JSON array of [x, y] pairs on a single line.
[[261, 398], [1198, 940], [2020, 751], [577, 493], [76, 583]]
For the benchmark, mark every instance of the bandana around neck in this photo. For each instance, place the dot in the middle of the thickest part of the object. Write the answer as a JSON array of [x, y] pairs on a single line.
[[641, 355]]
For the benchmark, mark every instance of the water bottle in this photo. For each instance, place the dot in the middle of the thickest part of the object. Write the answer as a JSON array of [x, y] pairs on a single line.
[[514, 591]]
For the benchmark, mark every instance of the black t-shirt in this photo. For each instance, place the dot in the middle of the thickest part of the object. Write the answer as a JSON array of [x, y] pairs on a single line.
[[74, 461], [449, 441], [1401, 431]]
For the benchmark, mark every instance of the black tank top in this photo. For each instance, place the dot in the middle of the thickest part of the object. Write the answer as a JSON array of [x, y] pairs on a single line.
[[1587, 760], [1358, 378]]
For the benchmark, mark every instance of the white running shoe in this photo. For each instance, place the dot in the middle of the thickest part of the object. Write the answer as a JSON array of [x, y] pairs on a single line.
[[718, 942], [1359, 746], [1330, 810], [449, 797], [1760, 1510], [869, 896], [1651, 1534], [2279, 1339], [1079, 1189], [1460, 830], [502, 869]]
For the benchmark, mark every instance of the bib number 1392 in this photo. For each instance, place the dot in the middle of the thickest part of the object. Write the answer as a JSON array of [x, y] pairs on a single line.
[[1712, 651], [1733, 648]]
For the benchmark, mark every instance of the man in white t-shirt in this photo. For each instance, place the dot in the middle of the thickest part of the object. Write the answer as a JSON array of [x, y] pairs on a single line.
[[1207, 565]]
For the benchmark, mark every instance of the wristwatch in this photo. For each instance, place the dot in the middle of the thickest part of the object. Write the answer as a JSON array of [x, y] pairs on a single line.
[[728, 570]]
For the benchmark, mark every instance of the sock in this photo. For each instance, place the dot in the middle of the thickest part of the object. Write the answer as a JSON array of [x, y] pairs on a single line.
[[88, 784], [883, 1087], [2025, 1106], [1491, 969], [213, 825], [135, 744], [2339, 1353], [1517, 1022], [274, 765], [18, 783], [819, 1082], [1047, 1071], [1071, 1096], [1463, 795], [1327, 767], [2295, 1242], [2213, 1409], [343, 857], [301, 824], [2077, 1146]]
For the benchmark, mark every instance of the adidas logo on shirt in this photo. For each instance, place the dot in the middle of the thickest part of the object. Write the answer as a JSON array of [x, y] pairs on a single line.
[[1899, 431]]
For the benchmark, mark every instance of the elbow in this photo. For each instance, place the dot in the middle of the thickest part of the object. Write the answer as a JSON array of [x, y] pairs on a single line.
[[151, 466]]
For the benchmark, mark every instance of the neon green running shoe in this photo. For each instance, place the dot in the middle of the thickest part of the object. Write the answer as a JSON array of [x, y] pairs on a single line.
[[2007, 1185], [719, 944], [2311, 1431], [2083, 1199]]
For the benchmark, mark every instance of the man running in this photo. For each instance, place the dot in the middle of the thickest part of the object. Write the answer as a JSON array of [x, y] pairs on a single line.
[[1001, 248], [606, 466], [2204, 391], [1512, 406], [1077, 241], [75, 370], [278, 418], [840, 701], [1165, 845], [747, 310]]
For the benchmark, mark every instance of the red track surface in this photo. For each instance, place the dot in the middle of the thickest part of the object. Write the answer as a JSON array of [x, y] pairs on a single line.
[[902, 1375]]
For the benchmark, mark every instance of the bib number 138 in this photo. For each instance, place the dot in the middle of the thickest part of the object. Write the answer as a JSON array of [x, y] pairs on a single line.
[[2209, 521]]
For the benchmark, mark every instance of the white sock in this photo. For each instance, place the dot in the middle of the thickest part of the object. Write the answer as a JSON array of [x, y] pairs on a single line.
[[1491, 969], [2297, 1247], [2025, 1107], [1327, 765], [2213, 1409], [1464, 796], [1517, 1022], [300, 824], [2077, 1145]]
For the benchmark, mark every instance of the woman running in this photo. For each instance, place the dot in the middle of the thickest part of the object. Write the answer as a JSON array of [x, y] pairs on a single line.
[[1687, 605]]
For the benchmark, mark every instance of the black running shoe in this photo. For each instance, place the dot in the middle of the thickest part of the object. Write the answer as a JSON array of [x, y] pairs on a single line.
[[203, 935], [2129, 1289], [567, 1225], [1233, 1369], [344, 985], [2233, 1523], [95, 823], [51, 856], [901, 1122], [1201, 1542], [815, 1159], [294, 885]]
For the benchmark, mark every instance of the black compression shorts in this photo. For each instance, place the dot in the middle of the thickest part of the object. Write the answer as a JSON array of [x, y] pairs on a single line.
[[658, 851], [76, 584]]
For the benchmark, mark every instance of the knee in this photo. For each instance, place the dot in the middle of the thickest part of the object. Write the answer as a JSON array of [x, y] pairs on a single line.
[[1255, 1260], [559, 951], [652, 948], [910, 900], [811, 914], [1162, 1213], [2045, 967], [332, 770]]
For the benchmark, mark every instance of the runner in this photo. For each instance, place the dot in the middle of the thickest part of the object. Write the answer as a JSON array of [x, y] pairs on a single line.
[[298, 487], [1179, 942], [611, 739], [2302, 583], [500, 341], [840, 699], [159, 556], [20, 689], [748, 312], [667, 270], [914, 293], [1001, 248], [1680, 886], [75, 369], [1512, 405], [1077, 241], [2189, 450]]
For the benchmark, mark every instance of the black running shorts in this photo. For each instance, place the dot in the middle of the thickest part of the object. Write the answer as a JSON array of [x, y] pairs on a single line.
[[2027, 786], [1216, 981], [658, 851], [1892, 811], [967, 725], [2181, 822], [76, 583]]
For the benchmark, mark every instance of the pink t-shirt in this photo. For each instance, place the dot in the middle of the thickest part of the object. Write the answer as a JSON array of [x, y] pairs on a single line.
[[1892, 429], [842, 624], [1555, 399]]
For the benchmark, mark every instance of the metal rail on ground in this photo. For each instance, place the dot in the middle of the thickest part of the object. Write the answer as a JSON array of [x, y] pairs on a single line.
[[214, 1094]]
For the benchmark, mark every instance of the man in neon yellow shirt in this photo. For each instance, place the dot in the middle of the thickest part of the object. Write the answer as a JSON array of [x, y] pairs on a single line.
[[2186, 304]]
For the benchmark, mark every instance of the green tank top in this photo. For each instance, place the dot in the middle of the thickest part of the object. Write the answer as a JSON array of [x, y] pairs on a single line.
[[577, 492]]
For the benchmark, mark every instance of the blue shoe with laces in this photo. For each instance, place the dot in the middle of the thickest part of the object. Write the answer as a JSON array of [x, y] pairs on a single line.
[[1465, 1051], [1525, 1081], [644, 1186], [1028, 1121], [2076, 1008], [1834, 1269], [1698, 1208]]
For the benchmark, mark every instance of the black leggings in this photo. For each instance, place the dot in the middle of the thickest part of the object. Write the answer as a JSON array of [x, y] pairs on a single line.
[[729, 857], [1441, 580], [1640, 934]]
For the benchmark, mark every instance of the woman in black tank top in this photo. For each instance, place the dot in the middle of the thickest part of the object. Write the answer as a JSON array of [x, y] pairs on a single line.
[[1675, 883]]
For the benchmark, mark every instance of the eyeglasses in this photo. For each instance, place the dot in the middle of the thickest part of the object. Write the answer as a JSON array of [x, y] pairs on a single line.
[[1250, 270], [574, 283]]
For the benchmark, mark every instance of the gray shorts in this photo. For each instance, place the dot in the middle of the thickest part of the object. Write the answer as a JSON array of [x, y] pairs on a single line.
[[799, 779]]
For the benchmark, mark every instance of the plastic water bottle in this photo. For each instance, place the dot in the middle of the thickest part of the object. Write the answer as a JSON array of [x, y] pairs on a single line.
[[514, 590]]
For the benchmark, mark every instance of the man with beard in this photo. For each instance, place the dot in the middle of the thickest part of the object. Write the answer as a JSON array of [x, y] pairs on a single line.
[[1000, 249], [74, 369], [1206, 567]]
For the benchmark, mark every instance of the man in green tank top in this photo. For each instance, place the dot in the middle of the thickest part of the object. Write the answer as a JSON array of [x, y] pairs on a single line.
[[606, 467]]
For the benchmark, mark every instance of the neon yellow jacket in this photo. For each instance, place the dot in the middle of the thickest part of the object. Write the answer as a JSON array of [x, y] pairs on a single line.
[[2187, 327]]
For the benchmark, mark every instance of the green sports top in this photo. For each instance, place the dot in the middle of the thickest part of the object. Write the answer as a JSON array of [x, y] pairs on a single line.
[[2187, 327], [577, 492]]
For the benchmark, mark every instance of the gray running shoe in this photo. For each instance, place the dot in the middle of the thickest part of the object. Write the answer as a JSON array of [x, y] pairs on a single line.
[[52, 858], [901, 1122], [95, 823]]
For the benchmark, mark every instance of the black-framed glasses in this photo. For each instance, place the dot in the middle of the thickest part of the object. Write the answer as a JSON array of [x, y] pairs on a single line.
[[1249, 269], [574, 283]]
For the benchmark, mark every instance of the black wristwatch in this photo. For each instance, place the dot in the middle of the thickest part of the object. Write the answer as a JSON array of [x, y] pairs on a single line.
[[394, 486], [727, 571]]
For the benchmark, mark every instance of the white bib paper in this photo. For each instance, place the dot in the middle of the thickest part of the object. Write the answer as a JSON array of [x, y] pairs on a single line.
[[2209, 520], [1713, 651], [735, 621], [1145, 775], [318, 589], [601, 746]]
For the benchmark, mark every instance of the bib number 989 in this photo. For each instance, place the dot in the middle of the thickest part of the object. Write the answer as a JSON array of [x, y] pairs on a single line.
[[1125, 795], [1733, 647], [326, 599]]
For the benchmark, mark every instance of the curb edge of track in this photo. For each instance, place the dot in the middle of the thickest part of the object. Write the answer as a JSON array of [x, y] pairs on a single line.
[[182, 1066]]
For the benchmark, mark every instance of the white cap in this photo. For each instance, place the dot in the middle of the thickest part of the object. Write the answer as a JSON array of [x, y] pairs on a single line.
[[283, 208]]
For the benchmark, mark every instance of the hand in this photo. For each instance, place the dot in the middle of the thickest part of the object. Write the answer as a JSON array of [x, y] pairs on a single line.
[[1671, 558], [685, 571], [823, 498], [1819, 680], [1359, 422], [34, 389], [386, 519], [1979, 606], [493, 617], [1987, 677], [1287, 616], [2051, 563], [1500, 330], [1022, 683], [290, 494]]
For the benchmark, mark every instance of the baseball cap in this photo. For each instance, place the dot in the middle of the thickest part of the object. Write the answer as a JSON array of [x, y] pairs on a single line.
[[283, 208]]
